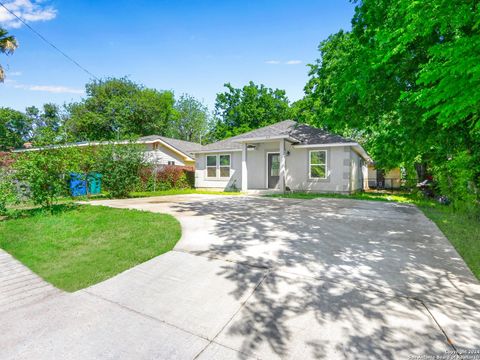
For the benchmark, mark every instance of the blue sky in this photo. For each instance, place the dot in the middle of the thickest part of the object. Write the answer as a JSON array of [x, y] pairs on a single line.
[[186, 46]]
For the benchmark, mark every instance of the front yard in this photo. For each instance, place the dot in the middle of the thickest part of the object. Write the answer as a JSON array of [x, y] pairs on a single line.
[[77, 246]]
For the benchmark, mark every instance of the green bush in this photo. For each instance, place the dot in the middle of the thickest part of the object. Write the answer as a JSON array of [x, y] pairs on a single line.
[[165, 177], [7, 190], [120, 167], [454, 179], [45, 173]]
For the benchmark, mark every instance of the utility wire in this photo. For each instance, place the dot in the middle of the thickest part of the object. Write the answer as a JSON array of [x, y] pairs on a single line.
[[48, 42]]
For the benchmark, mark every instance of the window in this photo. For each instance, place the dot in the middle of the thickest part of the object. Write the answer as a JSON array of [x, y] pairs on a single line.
[[170, 162], [211, 166], [218, 166], [225, 166], [318, 164]]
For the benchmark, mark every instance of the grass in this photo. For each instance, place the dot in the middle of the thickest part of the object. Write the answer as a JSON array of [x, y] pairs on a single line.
[[461, 227], [377, 196], [78, 246]]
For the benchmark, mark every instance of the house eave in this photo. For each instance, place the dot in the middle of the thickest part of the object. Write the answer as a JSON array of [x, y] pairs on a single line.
[[300, 146], [266, 139], [217, 151], [98, 143]]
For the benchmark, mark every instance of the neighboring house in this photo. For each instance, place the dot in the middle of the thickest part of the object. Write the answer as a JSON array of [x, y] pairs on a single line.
[[159, 150], [380, 179], [285, 155]]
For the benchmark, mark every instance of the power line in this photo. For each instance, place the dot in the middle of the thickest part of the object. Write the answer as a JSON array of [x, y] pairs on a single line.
[[48, 42]]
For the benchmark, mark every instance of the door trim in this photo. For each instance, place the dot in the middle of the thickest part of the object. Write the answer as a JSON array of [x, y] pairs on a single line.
[[266, 166]]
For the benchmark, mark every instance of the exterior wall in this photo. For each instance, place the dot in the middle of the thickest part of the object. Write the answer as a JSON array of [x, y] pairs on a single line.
[[235, 179], [356, 171], [257, 164], [344, 169], [338, 170], [163, 155]]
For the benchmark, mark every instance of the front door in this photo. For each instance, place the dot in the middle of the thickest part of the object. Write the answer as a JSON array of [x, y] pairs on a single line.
[[273, 169]]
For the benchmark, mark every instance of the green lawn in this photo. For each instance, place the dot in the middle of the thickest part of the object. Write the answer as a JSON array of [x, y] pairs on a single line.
[[78, 246], [398, 197], [460, 227]]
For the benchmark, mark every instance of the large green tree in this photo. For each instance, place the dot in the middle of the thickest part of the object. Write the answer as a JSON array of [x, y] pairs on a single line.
[[8, 44], [238, 110], [405, 81], [117, 108], [15, 128], [47, 124], [192, 119]]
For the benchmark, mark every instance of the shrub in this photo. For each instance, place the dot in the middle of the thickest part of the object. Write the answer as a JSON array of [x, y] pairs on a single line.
[[454, 179], [44, 172], [120, 167], [166, 177], [7, 190]]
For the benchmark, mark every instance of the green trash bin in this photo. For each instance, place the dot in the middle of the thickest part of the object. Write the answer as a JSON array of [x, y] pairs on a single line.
[[94, 181]]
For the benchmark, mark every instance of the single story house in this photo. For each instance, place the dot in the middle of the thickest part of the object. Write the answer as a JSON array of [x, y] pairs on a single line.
[[283, 156], [159, 150]]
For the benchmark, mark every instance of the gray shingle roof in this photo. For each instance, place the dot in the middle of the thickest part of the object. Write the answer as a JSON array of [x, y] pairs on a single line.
[[304, 134], [186, 147]]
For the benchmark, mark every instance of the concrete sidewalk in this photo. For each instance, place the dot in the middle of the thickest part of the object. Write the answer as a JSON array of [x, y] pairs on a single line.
[[19, 286]]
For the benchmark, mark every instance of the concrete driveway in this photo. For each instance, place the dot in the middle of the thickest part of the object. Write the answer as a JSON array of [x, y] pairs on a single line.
[[268, 278]]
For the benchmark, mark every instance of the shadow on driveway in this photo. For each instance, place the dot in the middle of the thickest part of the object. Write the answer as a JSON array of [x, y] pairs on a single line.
[[348, 279]]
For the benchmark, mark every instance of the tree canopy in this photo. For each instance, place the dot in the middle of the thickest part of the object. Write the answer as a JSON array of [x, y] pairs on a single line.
[[406, 82], [238, 110], [15, 128], [117, 108], [191, 122]]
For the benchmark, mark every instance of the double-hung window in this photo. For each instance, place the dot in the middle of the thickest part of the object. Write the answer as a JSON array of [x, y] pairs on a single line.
[[218, 166], [211, 166], [317, 164]]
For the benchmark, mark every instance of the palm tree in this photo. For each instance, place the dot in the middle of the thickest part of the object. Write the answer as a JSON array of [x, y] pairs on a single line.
[[8, 44]]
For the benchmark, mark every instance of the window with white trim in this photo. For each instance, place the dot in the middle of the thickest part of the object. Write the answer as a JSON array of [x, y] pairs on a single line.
[[224, 166], [211, 166], [317, 164], [218, 166]]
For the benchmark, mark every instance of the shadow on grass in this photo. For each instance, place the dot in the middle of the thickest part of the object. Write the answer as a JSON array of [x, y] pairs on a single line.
[[39, 211]]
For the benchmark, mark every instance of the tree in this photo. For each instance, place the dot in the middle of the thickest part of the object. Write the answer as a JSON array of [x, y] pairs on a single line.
[[120, 166], [46, 124], [404, 81], [118, 108], [15, 128], [8, 44], [191, 123], [248, 108]]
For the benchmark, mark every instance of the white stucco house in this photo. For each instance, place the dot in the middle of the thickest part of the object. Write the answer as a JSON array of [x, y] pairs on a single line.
[[283, 156], [159, 150]]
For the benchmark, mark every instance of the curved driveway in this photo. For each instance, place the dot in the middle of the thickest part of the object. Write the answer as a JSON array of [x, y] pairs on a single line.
[[268, 278]]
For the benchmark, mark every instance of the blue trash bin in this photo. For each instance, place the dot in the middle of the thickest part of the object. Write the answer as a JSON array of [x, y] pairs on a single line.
[[78, 184]]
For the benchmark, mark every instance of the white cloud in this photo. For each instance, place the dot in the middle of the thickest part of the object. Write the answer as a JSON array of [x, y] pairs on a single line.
[[293, 62], [27, 10], [49, 88], [14, 73], [274, 62]]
